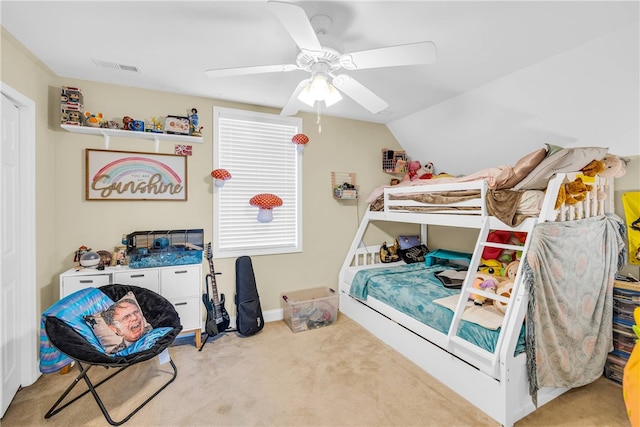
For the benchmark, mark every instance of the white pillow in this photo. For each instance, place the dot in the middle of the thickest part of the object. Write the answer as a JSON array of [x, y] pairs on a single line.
[[565, 160]]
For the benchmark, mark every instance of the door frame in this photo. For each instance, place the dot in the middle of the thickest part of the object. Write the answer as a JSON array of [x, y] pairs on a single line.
[[29, 325]]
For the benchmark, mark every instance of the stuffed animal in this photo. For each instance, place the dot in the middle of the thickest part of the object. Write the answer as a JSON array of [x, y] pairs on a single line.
[[484, 282], [94, 120], [426, 171], [614, 166], [504, 289], [125, 122], [511, 270], [610, 166], [413, 168], [491, 267], [572, 192], [594, 168]]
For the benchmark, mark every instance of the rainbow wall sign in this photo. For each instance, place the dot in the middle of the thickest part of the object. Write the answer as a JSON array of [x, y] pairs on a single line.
[[121, 175]]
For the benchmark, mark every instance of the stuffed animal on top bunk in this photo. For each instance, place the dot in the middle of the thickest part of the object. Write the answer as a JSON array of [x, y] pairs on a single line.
[[425, 171], [412, 174], [572, 192], [610, 166], [418, 171]]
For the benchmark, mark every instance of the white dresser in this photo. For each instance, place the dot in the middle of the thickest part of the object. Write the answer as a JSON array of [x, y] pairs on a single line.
[[180, 284]]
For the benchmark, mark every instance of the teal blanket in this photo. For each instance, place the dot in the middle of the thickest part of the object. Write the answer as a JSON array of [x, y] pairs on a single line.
[[411, 289]]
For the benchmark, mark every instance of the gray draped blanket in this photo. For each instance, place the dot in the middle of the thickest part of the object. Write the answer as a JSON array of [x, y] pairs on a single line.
[[569, 272]]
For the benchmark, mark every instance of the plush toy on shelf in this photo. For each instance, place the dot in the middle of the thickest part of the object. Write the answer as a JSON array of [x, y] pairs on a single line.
[[94, 120]]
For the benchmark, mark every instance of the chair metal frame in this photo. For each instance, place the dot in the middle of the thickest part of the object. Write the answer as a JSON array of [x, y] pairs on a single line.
[[159, 313], [84, 370]]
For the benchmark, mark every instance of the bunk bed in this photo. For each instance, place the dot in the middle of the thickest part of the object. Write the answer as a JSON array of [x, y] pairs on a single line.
[[492, 367]]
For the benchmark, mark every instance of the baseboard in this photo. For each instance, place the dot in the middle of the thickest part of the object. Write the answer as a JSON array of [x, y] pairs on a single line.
[[268, 316]]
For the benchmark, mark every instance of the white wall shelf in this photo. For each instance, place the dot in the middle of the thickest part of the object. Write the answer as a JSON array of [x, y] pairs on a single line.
[[156, 137]]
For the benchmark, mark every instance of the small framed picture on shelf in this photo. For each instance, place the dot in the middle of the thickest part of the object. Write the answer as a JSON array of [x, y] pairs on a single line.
[[177, 125]]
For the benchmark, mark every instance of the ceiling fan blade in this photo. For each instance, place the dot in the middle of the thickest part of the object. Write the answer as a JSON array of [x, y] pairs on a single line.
[[291, 107], [258, 69], [392, 56], [359, 93], [295, 21]]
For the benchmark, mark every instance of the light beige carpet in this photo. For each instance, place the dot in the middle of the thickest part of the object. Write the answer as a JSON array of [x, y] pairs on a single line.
[[339, 375]]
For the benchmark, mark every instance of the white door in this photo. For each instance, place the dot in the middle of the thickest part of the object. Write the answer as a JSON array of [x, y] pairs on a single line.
[[9, 259]]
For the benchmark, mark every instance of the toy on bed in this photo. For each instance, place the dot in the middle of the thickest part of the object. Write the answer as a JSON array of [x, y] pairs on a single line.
[[426, 171], [485, 282], [572, 193], [412, 168], [504, 289], [610, 166], [418, 171]]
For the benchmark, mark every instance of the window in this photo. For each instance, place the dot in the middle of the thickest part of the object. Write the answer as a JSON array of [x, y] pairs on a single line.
[[256, 149]]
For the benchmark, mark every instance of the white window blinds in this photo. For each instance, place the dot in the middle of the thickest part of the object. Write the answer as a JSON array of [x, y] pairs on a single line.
[[256, 149]]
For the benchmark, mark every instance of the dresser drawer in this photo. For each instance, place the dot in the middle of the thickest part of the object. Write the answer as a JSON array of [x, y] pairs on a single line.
[[148, 279], [73, 284], [189, 311], [180, 282]]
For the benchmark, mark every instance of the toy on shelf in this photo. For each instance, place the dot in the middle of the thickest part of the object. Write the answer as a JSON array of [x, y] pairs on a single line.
[[94, 120], [155, 126], [71, 106], [344, 185], [394, 162], [196, 129]]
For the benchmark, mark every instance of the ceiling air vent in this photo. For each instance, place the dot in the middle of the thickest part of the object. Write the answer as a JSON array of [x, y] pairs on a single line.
[[116, 66]]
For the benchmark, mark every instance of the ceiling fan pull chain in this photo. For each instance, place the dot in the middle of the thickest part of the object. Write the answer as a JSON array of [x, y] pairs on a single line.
[[318, 103]]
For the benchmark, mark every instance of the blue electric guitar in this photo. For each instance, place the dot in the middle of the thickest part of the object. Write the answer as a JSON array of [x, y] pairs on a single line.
[[217, 316]]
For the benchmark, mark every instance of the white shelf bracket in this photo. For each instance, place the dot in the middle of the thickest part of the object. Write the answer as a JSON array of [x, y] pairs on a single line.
[[156, 143], [106, 140]]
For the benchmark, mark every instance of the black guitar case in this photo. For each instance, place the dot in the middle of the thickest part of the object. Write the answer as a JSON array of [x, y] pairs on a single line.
[[249, 319]]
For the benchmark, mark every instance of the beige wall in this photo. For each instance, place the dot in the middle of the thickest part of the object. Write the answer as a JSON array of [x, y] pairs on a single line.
[[66, 221]]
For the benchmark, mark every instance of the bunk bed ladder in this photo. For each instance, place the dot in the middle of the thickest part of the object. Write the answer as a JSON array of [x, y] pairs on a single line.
[[490, 358]]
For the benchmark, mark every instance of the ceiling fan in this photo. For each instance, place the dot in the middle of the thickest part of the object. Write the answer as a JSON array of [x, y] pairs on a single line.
[[323, 56]]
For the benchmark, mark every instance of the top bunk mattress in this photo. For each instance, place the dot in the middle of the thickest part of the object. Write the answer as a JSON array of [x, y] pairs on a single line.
[[412, 290]]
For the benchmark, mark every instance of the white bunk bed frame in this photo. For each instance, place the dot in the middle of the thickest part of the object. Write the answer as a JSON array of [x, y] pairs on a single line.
[[497, 383]]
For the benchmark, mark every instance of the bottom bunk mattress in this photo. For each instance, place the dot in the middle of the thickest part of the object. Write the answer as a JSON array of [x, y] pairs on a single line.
[[412, 290]]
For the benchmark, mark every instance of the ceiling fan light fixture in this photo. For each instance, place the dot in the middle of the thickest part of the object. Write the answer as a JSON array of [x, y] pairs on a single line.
[[332, 97], [319, 88], [306, 97]]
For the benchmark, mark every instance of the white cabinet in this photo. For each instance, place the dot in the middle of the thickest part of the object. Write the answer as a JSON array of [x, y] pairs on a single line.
[[147, 278], [72, 282], [180, 284]]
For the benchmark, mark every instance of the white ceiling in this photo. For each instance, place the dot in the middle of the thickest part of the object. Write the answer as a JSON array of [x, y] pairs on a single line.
[[172, 43]]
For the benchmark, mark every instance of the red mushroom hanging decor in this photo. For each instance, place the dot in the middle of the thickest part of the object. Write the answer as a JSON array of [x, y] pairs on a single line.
[[300, 139], [265, 203], [220, 176]]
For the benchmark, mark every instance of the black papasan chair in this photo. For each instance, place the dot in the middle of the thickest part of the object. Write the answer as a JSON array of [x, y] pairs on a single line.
[[158, 311]]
